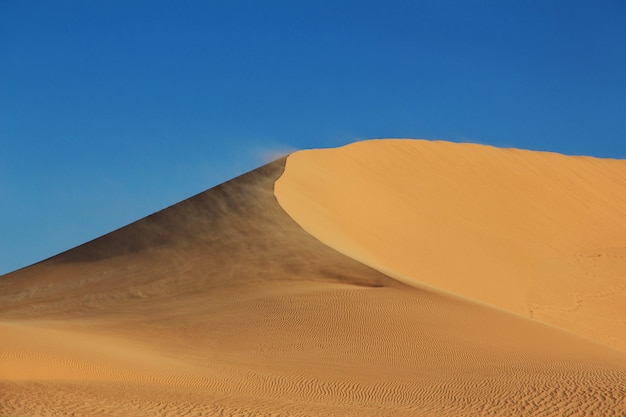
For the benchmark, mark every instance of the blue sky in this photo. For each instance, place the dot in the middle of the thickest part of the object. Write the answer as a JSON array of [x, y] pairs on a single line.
[[111, 110]]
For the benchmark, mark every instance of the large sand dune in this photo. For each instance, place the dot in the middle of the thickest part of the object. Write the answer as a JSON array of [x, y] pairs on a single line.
[[392, 278], [534, 233]]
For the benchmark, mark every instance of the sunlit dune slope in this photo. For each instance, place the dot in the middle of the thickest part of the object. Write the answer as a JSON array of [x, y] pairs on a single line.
[[222, 305], [535, 233]]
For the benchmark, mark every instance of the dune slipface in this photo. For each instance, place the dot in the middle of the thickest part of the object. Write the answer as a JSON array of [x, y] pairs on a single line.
[[391, 278]]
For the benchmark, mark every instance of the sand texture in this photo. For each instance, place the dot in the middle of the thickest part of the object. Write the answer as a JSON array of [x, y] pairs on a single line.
[[384, 278]]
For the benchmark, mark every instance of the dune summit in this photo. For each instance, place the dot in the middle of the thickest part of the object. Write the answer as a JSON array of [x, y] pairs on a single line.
[[387, 277]]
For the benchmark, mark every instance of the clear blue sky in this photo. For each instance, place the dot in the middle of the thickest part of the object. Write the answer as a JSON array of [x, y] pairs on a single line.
[[111, 110]]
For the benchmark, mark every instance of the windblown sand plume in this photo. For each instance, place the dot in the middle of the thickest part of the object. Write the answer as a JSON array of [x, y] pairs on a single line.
[[384, 278]]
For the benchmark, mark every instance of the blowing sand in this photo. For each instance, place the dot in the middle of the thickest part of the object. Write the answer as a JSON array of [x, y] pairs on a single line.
[[385, 278]]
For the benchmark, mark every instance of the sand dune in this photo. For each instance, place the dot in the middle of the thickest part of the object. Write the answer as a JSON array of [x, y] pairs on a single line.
[[535, 233], [224, 305]]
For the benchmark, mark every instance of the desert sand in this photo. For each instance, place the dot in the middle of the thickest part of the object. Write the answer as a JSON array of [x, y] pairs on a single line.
[[383, 278]]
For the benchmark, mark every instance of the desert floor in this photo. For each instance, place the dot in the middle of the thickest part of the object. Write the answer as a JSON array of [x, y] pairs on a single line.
[[384, 278]]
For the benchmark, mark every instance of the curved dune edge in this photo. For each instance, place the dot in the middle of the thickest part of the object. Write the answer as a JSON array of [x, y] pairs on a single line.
[[534, 233]]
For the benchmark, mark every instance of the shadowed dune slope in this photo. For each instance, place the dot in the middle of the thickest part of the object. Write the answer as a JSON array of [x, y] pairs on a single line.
[[222, 305], [535, 233], [234, 237]]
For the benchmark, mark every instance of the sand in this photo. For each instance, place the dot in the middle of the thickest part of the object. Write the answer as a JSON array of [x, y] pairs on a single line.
[[385, 278], [533, 233]]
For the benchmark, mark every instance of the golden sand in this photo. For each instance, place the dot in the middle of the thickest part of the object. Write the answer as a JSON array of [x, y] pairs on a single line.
[[385, 278]]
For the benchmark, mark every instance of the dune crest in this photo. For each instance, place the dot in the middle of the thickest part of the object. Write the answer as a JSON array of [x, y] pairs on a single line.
[[535, 233]]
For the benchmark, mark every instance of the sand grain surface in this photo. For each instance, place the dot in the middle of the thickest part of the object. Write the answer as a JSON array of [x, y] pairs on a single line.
[[365, 280]]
